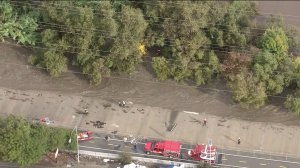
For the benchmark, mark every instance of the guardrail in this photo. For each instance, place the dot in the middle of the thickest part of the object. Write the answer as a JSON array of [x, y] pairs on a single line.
[[141, 159]]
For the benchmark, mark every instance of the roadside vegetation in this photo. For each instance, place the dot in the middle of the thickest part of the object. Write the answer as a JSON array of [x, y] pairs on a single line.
[[125, 158], [191, 40], [25, 143]]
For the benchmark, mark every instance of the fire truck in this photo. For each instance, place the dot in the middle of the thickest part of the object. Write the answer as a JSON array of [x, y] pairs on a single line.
[[166, 148], [172, 149], [204, 153]]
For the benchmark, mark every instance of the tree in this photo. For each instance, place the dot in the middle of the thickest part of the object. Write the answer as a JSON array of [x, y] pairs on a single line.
[[233, 29], [234, 63], [293, 102], [205, 68], [160, 66], [290, 31], [125, 53], [95, 69], [55, 62], [275, 41], [248, 90], [25, 143], [19, 25], [274, 70], [19, 143]]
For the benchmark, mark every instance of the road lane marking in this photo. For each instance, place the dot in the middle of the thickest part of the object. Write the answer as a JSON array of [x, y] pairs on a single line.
[[282, 166], [241, 161], [157, 156], [252, 157], [190, 112], [133, 153], [263, 164], [283, 161], [112, 139]]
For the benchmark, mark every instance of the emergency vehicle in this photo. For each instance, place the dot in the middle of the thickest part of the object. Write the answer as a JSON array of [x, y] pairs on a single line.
[[166, 148]]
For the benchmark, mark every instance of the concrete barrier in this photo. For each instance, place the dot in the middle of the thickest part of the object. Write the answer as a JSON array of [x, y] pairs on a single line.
[[141, 159]]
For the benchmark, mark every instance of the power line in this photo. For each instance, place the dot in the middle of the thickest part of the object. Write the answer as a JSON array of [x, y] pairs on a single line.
[[59, 28], [139, 2], [96, 55], [117, 12], [99, 56], [97, 30], [210, 46]]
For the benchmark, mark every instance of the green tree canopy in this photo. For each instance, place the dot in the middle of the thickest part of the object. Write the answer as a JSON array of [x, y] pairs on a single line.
[[293, 102], [275, 41], [248, 90], [25, 143], [19, 24]]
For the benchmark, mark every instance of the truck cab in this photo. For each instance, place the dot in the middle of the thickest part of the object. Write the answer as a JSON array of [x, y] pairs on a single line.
[[166, 148], [204, 153]]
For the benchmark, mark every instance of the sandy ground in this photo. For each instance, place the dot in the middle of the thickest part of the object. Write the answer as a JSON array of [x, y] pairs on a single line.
[[141, 88], [148, 121], [289, 10]]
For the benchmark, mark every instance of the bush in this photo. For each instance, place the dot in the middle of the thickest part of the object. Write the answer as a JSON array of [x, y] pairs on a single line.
[[160, 66], [125, 158], [293, 102], [204, 165]]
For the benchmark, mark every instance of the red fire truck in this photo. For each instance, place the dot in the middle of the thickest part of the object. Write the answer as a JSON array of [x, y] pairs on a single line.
[[166, 148], [204, 152]]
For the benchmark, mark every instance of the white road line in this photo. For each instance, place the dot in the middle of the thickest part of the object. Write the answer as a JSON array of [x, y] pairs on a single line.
[[282, 166], [241, 161], [252, 157], [112, 139], [190, 112], [284, 161], [231, 166], [131, 153], [263, 164]]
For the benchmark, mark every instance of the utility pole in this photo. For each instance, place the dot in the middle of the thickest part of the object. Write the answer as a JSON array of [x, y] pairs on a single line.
[[77, 145], [76, 133]]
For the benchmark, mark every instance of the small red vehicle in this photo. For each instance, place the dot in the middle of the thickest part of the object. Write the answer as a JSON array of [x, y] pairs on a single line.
[[85, 136], [166, 148], [204, 152]]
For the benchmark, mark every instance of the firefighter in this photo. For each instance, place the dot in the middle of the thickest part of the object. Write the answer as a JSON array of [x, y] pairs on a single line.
[[204, 122], [107, 138]]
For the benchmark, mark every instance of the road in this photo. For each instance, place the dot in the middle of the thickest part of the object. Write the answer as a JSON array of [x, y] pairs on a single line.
[[229, 158]]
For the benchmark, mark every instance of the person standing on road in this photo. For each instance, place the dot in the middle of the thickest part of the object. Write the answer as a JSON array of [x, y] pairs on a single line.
[[107, 138], [204, 122], [239, 141]]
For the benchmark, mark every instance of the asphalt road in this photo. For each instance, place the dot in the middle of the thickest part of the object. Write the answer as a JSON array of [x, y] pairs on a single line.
[[229, 158]]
